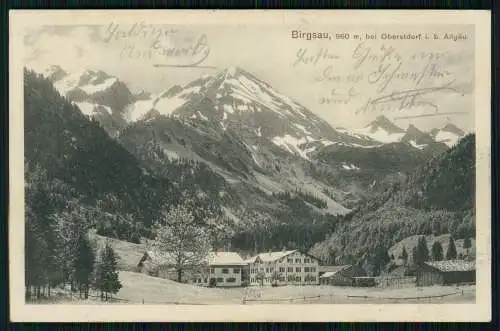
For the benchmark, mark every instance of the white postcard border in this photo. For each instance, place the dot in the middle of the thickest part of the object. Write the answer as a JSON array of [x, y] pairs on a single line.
[[479, 311]]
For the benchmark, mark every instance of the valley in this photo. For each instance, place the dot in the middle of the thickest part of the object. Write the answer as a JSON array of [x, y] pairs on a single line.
[[259, 171]]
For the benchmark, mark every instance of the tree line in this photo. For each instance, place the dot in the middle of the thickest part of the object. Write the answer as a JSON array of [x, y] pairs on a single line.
[[58, 251]]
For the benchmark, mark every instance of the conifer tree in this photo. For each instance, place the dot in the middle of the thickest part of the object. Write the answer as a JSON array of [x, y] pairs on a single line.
[[467, 244], [380, 259], [106, 276], [404, 255], [84, 265], [451, 253], [422, 252], [437, 251]]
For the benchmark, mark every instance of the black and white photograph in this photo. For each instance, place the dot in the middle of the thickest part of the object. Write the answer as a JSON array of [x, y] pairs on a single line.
[[295, 163]]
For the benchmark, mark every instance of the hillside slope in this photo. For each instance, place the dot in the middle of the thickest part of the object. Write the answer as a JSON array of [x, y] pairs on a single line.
[[76, 150], [438, 198]]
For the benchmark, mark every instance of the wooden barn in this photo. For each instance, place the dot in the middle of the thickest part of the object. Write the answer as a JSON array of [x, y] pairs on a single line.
[[343, 275], [446, 273]]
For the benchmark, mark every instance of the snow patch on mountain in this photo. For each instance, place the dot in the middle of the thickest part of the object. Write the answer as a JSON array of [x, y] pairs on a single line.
[[292, 144], [381, 135], [414, 144], [90, 109], [349, 167], [449, 138], [94, 88], [449, 134], [166, 106]]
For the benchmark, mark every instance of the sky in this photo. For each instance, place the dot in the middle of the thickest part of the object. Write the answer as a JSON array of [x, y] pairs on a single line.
[[346, 78]]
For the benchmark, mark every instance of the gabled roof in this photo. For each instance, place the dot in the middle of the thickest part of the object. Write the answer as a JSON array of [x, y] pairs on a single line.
[[452, 265], [225, 258], [213, 258], [270, 256], [159, 258], [332, 270]]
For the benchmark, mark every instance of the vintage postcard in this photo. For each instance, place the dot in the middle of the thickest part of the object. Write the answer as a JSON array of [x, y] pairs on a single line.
[[250, 166]]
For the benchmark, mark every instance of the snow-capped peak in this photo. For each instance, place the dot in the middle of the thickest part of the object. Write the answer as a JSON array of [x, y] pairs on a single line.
[[54, 73], [231, 71], [382, 122], [453, 129], [382, 130], [450, 134]]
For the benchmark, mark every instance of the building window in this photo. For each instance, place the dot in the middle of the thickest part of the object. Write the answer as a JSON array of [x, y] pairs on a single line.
[[306, 260], [306, 269], [297, 269], [252, 280], [212, 270], [313, 269], [220, 280], [291, 278], [298, 279], [261, 269], [225, 271], [236, 271], [282, 269], [289, 260], [290, 269], [272, 269], [231, 280], [297, 260], [267, 269]]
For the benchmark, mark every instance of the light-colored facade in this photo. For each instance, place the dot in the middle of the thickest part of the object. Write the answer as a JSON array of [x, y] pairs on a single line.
[[221, 269], [283, 268]]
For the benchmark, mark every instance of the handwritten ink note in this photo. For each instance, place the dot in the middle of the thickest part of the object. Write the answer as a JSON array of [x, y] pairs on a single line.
[[165, 46], [378, 72]]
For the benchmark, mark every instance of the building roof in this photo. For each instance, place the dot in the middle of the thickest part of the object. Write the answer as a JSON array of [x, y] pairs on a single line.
[[225, 258], [332, 270], [270, 256], [213, 258], [452, 265]]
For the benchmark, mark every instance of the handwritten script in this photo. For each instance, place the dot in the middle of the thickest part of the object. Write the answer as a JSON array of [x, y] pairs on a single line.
[[166, 45], [381, 77]]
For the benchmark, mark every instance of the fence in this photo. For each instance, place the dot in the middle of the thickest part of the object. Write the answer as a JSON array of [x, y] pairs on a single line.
[[406, 298], [396, 282], [289, 300], [95, 297], [304, 298]]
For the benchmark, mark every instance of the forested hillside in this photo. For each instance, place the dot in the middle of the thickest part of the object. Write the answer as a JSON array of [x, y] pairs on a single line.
[[438, 198], [95, 170], [122, 192]]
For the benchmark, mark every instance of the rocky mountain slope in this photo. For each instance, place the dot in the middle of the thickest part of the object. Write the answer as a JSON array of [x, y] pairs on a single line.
[[99, 172], [96, 93], [450, 134], [228, 143]]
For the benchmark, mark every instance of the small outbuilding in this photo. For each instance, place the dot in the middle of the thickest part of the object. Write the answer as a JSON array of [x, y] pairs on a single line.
[[343, 275], [446, 273]]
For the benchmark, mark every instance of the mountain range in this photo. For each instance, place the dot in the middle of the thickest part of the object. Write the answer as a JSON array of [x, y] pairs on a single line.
[[277, 173]]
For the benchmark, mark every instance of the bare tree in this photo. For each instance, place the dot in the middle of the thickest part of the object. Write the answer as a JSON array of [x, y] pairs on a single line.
[[182, 239]]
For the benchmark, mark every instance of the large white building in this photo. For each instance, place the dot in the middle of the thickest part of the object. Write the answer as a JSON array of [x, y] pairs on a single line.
[[283, 268], [221, 269]]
